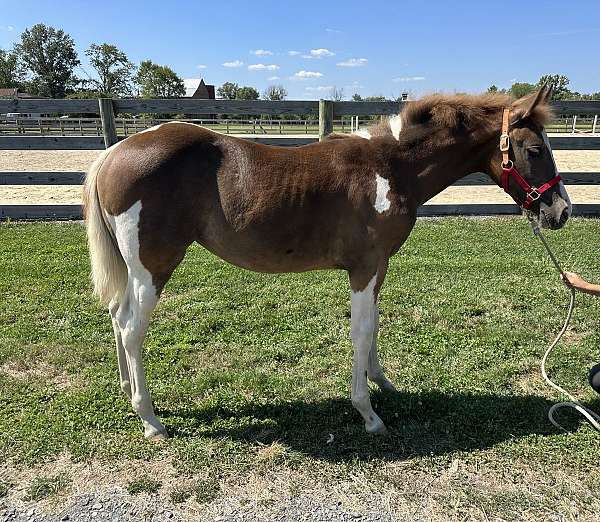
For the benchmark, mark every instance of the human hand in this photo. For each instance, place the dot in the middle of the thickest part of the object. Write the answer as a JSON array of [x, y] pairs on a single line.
[[573, 280]]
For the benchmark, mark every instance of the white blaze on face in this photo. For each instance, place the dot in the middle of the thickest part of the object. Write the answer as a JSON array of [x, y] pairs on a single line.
[[561, 187], [396, 126], [382, 203]]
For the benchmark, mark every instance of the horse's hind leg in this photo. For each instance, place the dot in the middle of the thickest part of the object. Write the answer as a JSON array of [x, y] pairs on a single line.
[[374, 369], [132, 318], [121, 356]]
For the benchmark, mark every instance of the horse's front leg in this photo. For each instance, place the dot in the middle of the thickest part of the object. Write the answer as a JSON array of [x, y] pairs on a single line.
[[365, 288], [374, 369]]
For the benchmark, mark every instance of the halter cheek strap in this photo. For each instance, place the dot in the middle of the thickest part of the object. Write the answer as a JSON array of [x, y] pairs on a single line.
[[509, 170]]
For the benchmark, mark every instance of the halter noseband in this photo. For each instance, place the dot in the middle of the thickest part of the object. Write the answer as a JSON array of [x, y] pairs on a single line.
[[509, 169]]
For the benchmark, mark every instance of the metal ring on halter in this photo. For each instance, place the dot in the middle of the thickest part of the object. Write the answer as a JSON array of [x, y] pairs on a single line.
[[504, 142], [506, 166], [533, 194]]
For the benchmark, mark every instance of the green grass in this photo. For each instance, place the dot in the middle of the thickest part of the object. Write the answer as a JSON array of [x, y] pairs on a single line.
[[44, 487], [143, 485], [250, 373]]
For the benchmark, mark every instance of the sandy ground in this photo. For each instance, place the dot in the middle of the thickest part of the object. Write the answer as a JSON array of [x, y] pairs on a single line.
[[66, 160]]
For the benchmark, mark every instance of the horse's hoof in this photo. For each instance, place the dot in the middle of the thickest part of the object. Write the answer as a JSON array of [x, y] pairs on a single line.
[[157, 436], [377, 427], [387, 386]]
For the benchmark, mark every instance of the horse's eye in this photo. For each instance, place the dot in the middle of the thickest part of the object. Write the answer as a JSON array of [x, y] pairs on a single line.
[[534, 151]]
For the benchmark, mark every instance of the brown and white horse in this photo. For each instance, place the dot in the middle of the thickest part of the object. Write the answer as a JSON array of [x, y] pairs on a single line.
[[348, 202]]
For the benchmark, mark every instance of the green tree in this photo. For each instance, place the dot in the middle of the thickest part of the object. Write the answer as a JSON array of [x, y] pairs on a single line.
[[228, 91], [247, 93], [356, 97], [114, 70], [11, 74], [49, 56], [518, 90], [158, 81], [275, 93], [559, 83]]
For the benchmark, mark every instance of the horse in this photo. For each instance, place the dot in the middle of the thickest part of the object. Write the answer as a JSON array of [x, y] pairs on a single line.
[[348, 202]]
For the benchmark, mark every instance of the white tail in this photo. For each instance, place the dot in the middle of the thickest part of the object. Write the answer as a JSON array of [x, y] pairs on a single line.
[[109, 271]]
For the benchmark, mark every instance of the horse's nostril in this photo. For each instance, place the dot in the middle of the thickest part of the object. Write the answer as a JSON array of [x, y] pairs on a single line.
[[564, 216]]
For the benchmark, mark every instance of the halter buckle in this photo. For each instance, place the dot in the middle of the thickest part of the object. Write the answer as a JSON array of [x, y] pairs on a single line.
[[533, 194], [504, 142]]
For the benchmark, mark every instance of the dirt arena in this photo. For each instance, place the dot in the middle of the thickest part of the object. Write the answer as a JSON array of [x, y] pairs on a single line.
[[67, 160]]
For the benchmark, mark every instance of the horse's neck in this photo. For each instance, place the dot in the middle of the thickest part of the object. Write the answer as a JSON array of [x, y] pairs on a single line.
[[450, 164]]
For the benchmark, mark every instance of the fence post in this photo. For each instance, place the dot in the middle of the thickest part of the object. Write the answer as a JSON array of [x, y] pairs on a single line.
[[594, 124], [107, 116], [325, 118]]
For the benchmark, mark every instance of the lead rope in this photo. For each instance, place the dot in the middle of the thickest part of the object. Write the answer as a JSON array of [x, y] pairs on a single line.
[[592, 417]]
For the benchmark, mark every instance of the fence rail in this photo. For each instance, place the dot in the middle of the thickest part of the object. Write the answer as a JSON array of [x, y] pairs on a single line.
[[327, 111]]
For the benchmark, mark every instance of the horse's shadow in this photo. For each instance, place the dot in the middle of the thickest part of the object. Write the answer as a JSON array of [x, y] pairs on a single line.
[[419, 424]]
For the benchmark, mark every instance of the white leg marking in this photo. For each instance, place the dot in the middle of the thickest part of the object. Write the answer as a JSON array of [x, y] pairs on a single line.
[[363, 133], [121, 356], [382, 203], [374, 370], [363, 323], [133, 315], [396, 125]]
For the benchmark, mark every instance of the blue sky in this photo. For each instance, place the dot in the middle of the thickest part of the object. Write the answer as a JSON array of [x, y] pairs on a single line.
[[369, 47]]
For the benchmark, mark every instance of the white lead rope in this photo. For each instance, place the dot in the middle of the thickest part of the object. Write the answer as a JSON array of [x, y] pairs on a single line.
[[592, 417]]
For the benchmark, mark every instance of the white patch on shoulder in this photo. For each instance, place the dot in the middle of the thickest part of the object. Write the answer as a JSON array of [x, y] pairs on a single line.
[[363, 133], [396, 125], [382, 203]]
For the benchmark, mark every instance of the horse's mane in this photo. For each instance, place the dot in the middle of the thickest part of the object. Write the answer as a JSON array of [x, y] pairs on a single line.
[[464, 110]]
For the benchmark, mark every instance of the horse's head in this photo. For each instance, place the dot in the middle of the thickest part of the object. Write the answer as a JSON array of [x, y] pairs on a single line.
[[528, 171]]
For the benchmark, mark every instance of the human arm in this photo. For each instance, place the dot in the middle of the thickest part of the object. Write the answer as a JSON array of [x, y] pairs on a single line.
[[573, 280]]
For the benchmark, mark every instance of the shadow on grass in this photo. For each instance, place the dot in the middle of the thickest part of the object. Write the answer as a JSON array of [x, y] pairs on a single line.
[[419, 424]]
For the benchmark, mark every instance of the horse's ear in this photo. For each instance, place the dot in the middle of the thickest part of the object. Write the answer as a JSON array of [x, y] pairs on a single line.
[[526, 107]]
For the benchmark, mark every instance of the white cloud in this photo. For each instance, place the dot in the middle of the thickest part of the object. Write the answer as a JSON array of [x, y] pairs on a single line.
[[262, 67], [294, 53], [409, 79], [353, 62], [235, 63], [310, 57], [262, 52], [319, 88], [334, 31], [7, 27], [272, 78], [201, 66], [321, 53], [308, 74]]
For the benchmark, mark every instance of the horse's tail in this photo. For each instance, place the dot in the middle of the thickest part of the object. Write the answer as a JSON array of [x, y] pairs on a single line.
[[109, 271]]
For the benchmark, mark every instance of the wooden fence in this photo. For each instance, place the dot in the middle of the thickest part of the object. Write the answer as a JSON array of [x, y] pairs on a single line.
[[326, 110]]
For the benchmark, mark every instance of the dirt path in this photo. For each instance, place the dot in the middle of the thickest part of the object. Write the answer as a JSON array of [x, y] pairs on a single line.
[[65, 160]]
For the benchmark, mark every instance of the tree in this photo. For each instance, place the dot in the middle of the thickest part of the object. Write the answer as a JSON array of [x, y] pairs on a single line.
[[11, 74], [158, 81], [228, 91], [275, 93], [518, 90], [247, 93], [115, 71], [356, 97], [50, 57], [337, 94], [559, 83]]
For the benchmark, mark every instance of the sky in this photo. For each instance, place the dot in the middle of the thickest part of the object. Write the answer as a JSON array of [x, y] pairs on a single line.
[[366, 47]]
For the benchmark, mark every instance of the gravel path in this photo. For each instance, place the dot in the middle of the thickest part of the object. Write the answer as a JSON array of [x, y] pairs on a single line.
[[117, 506]]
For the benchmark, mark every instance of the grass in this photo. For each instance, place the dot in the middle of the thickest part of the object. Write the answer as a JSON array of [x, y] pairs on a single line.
[[143, 485], [250, 373], [44, 487]]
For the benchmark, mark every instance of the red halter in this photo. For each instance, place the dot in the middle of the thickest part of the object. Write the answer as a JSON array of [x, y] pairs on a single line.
[[508, 169]]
